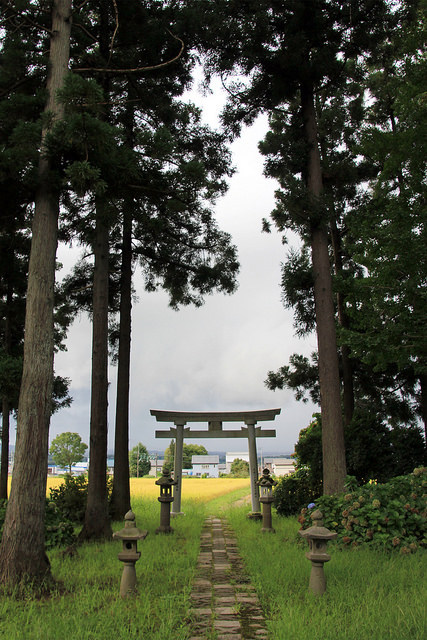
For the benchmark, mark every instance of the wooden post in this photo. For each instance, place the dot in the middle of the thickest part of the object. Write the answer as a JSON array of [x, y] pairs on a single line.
[[253, 470], [177, 468]]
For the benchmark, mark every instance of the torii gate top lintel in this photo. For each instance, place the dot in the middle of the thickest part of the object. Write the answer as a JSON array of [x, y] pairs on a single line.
[[182, 417]]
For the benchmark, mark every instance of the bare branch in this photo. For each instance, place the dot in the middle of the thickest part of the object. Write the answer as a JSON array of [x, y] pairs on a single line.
[[115, 31], [88, 33], [136, 69]]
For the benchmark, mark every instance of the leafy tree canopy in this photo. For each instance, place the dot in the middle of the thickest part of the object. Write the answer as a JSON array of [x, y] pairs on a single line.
[[373, 450], [67, 449], [139, 461], [188, 450], [239, 468]]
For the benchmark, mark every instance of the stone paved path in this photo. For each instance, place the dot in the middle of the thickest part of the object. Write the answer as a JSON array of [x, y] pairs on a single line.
[[224, 605]]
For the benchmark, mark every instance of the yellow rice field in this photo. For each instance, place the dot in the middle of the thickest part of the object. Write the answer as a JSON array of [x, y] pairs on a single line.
[[202, 489]]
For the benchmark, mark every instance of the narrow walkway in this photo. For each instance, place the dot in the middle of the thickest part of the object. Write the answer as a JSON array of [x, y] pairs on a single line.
[[224, 603]]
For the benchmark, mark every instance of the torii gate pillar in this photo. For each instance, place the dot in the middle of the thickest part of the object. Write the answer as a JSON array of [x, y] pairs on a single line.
[[177, 469], [215, 430], [253, 469]]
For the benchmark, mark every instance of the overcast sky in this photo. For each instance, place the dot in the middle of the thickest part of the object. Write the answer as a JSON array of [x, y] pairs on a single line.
[[213, 358]]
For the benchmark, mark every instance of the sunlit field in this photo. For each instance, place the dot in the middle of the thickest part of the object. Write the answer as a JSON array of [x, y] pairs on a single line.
[[199, 489]]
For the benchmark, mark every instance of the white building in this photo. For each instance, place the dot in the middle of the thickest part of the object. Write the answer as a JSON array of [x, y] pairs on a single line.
[[202, 465], [156, 466], [279, 466]]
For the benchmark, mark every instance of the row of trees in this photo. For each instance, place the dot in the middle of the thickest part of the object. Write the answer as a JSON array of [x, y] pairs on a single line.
[[115, 160], [99, 148]]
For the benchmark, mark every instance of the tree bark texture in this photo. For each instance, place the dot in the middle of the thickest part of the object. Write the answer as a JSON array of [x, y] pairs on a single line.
[[120, 499], [346, 363], [333, 448], [22, 550], [97, 523]]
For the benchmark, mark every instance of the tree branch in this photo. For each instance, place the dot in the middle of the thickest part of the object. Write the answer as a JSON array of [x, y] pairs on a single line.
[[136, 69]]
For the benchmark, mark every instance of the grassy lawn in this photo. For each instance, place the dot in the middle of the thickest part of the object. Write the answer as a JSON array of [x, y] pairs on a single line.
[[369, 595]]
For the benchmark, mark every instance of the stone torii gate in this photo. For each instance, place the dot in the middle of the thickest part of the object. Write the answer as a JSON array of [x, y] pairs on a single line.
[[215, 420]]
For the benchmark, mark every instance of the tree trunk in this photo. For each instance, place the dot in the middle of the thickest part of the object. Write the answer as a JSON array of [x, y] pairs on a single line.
[[4, 449], [333, 448], [97, 522], [346, 363], [22, 551], [423, 403], [120, 500]]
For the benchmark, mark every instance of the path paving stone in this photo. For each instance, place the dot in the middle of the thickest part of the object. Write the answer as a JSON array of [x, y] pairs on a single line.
[[224, 605]]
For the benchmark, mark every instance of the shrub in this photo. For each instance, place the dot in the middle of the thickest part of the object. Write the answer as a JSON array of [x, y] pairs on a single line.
[[71, 497], [58, 530], [295, 491], [389, 516]]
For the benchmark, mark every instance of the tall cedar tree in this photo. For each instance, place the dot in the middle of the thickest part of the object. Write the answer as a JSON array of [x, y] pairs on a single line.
[[17, 105], [388, 328], [96, 522], [381, 383], [288, 51], [22, 551]]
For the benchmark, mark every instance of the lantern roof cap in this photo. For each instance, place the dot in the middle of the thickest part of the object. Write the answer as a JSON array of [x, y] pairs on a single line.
[[130, 530], [166, 480], [318, 531], [266, 480]]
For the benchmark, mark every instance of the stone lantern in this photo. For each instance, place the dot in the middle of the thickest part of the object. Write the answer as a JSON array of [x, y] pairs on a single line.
[[166, 483], [317, 537], [266, 484], [130, 554]]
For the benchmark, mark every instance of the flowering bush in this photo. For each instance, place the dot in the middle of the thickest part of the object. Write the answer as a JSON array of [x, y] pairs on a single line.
[[389, 516]]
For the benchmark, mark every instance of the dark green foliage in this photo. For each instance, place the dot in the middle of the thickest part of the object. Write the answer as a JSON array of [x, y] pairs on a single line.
[[373, 450], [71, 497], [59, 530], [295, 491], [389, 516]]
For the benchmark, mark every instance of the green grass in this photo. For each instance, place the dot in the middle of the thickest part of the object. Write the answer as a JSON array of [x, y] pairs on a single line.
[[87, 604], [370, 596]]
